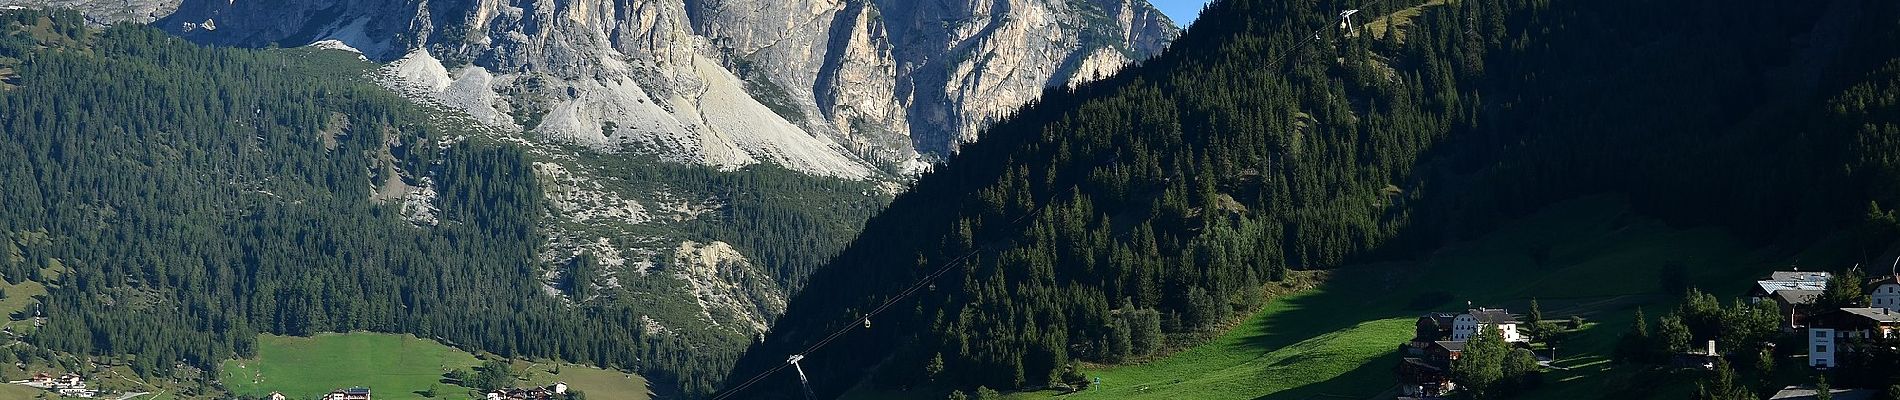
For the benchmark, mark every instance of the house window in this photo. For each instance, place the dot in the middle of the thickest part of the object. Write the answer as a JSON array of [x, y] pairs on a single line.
[[1820, 348], [1820, 334]]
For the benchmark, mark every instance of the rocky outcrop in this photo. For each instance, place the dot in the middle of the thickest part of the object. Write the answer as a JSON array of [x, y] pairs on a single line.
[[830, 87], [727, 287], [106, 11]]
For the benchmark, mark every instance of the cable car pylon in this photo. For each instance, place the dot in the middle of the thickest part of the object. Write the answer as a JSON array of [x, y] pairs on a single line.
[[1345, 22], [809, 395]]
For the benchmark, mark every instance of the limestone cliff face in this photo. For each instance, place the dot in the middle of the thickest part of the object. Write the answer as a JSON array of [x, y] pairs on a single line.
[[846, 88], [968, 63]]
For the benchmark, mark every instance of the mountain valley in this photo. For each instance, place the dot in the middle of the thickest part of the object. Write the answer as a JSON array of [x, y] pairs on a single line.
[[1004, 199]]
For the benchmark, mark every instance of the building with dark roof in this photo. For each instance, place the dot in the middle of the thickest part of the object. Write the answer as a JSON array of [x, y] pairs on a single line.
[[352, 393], [1795, 305], [1466, 325], [1429, 375], [1429, 328], [549, 392], [1439, 339], [1844, 330]]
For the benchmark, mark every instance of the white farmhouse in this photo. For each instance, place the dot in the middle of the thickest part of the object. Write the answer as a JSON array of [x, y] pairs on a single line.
[[1466, 325], [1886, 293], [1848, 330]]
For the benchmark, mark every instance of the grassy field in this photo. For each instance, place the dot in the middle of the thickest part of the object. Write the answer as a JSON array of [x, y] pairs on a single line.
[[596, 383], [23, 392], [1400, 19], [394, 367], [1590, 257], [19, 296]]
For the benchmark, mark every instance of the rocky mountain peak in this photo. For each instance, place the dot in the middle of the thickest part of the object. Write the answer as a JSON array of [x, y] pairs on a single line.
[[843, 88]]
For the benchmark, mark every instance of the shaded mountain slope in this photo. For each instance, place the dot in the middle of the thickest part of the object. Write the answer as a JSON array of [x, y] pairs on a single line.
[[1147, 209]]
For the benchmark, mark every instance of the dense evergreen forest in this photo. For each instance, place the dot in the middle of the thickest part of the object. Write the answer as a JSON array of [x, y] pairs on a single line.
[[180, 199], [1110, 220]]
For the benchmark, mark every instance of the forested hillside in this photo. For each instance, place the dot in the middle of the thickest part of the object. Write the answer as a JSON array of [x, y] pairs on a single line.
[[1123, 217], [177, 200]]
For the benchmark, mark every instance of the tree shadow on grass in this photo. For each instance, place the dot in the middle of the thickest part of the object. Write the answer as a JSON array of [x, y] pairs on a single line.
[[1349, 385], [1352, 296]]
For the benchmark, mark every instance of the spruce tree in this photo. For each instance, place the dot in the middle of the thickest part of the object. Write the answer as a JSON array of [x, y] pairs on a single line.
[[1634, 346], [1672, 336], [1721, 384], [1844, 289]]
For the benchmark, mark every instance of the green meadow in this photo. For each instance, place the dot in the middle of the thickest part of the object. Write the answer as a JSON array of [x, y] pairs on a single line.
[[597, 384], [1590, 257], [394, 367]]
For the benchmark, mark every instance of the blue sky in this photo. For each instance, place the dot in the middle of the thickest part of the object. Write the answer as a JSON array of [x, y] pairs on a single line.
[[1181, 11]]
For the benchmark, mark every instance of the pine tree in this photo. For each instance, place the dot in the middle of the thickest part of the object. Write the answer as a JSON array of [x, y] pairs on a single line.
[[1635, 345], [1844, 290], [1535, 319], [1721, 384], [1120, 340], [1146, 336], [934, 367], [1672, 336], [1536, 313]]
